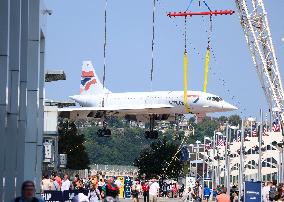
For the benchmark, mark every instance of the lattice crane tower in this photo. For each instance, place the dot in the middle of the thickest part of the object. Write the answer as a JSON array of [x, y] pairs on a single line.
[[253, 18]]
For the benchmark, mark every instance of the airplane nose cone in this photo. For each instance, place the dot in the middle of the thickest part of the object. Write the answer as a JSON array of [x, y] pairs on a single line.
[[228, 107]]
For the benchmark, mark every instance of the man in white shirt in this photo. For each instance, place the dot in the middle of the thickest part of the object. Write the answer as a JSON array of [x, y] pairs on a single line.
[[65, 184], [154, 191], [265, 192]]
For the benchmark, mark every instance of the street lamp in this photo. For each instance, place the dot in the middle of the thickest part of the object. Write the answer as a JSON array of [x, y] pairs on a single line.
[[203, 162], [196, 157], [191, 147], [227, 153]]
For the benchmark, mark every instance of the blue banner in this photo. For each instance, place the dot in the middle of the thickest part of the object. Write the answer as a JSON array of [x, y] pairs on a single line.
[[59, 196], [252, 191]]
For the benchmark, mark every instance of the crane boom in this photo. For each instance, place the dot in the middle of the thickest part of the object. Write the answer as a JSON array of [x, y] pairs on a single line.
[[254, 21]]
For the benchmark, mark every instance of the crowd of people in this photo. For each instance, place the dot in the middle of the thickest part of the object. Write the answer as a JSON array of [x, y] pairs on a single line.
[[97, 189], [108, 190], [272, 191]]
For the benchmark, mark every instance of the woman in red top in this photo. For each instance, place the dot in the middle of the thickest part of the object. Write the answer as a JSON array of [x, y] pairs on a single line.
[[145, 189]]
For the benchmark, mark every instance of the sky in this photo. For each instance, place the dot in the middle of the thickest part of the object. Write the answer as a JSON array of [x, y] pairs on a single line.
[[75, 32]]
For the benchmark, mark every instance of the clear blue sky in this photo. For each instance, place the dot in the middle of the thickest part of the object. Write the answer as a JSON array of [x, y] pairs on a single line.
[[75, 32]]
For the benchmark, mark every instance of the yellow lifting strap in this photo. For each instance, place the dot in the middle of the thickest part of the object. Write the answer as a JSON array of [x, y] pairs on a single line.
[[207, 59], [185, 82]]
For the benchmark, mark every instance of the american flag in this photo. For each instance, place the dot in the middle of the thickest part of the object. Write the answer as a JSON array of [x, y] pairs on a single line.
[[265, 130], [221, 141], [207, 145], [276, 126], [254, 131]]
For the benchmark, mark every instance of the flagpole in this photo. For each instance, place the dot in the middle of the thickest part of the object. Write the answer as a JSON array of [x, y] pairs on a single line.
[[241, 162], [260, 146], [226, 159], [213, 160], [203, 164]]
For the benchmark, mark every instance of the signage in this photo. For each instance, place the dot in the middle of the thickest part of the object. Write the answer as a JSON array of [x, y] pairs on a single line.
[[121, 190], [62, 160], [59, 196], [252, 191]]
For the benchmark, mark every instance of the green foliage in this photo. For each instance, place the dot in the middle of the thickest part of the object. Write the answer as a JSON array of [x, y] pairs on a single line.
[[128, 143], [72, 144], [121, 148], [235, 120], [158, 159]]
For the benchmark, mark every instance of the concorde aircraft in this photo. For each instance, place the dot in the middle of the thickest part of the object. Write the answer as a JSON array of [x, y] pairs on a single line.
[[98, 102]]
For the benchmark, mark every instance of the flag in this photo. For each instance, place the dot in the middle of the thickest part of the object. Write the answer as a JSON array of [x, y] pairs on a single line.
[[265, 130], [254, 131], [276, 126], [238, 136], [207, 145], [221, 141]]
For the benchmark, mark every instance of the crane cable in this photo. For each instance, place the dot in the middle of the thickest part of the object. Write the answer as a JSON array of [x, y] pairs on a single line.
[[153, 42], [105, 45], [207, 58], [185, 70]]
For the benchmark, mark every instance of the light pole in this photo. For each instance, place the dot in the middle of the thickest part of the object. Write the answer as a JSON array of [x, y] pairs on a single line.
[[276, 111], [191, 146], [218, 156], [203, 162], [241, 162], [251, 120], [196, 158], [228, 167]]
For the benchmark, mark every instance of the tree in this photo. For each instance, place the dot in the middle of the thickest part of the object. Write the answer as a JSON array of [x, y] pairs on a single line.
[[235, 120], [160, 159], [205, 128], [122, 148], [72, 144]]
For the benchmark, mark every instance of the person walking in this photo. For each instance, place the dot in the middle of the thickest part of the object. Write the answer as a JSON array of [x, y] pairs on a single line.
[[207, 192], [28, 193], [145, 189], [181, 190], [223, 197], [186, 195], [265, 192], [164, 189], [54, 184], [197, 192], [45, 183], [273, 191], [111, 191], [154, 191], [66, 184], [94, 194]]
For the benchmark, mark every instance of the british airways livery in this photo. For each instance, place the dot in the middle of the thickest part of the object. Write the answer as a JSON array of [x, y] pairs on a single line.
[[97, 101]]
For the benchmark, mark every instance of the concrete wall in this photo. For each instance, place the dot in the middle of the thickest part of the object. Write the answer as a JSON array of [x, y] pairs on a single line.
[[50, 120], [22, 44]]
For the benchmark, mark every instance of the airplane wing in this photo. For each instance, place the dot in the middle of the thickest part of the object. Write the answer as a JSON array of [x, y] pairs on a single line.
[[119, 111]]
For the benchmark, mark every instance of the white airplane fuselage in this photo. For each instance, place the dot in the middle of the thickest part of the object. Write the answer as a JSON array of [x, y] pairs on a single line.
[[199, 102]]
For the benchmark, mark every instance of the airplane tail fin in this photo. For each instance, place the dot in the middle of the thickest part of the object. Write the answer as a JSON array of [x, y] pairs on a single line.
[[90, 83]]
